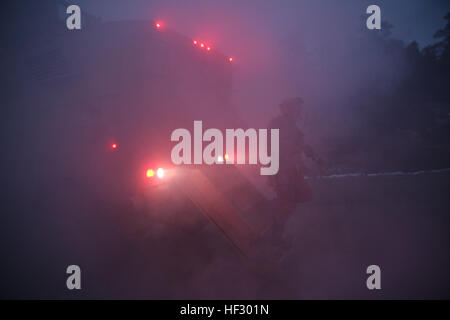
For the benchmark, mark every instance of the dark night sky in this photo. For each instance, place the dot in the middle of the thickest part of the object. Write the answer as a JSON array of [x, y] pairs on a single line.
[[413, 19], [292, 47]]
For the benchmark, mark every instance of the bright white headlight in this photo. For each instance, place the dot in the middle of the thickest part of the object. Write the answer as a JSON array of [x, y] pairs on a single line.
[[160, 173]]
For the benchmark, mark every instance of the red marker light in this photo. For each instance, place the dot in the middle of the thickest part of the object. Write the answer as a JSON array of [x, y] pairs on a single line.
[[202, 45], [195, 42], [158, 25], [209, 48], [114, 146], [230, 59], [150, 173]]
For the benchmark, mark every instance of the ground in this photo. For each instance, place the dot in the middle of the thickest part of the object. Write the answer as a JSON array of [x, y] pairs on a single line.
[[400, 223]]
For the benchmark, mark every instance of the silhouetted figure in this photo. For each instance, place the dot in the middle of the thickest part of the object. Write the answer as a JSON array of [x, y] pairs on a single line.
[[289, 183]]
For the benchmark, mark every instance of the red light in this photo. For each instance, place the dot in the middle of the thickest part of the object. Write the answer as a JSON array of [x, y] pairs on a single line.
[[195, 42], [114, 146], [150, 173], [209, 48], [158, 25], [202, 45], [230, 59]]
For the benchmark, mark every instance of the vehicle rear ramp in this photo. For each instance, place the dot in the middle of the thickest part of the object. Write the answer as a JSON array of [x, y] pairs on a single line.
[[241, 213]]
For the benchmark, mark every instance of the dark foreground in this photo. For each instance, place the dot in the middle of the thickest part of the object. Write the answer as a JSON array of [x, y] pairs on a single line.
[[398, 223]]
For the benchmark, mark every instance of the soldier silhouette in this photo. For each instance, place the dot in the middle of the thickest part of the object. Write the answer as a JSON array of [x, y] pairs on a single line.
[[290, 184]]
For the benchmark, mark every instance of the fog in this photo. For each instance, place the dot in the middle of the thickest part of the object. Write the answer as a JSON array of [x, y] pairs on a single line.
[[280, 47], [374, 101]]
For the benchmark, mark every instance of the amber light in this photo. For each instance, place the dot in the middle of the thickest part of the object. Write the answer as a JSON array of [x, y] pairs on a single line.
[[150, 173]]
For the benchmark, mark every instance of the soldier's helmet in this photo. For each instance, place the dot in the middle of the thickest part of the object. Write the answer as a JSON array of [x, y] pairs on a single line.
[[292, 107]]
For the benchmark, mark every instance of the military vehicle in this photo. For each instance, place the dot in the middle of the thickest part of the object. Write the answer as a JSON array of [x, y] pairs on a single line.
[[101, 103]]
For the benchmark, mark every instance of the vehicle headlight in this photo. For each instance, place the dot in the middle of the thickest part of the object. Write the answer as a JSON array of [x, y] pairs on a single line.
[[160, 173]]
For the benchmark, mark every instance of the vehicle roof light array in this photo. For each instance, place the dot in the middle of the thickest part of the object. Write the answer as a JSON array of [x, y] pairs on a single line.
[[202, 45]]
